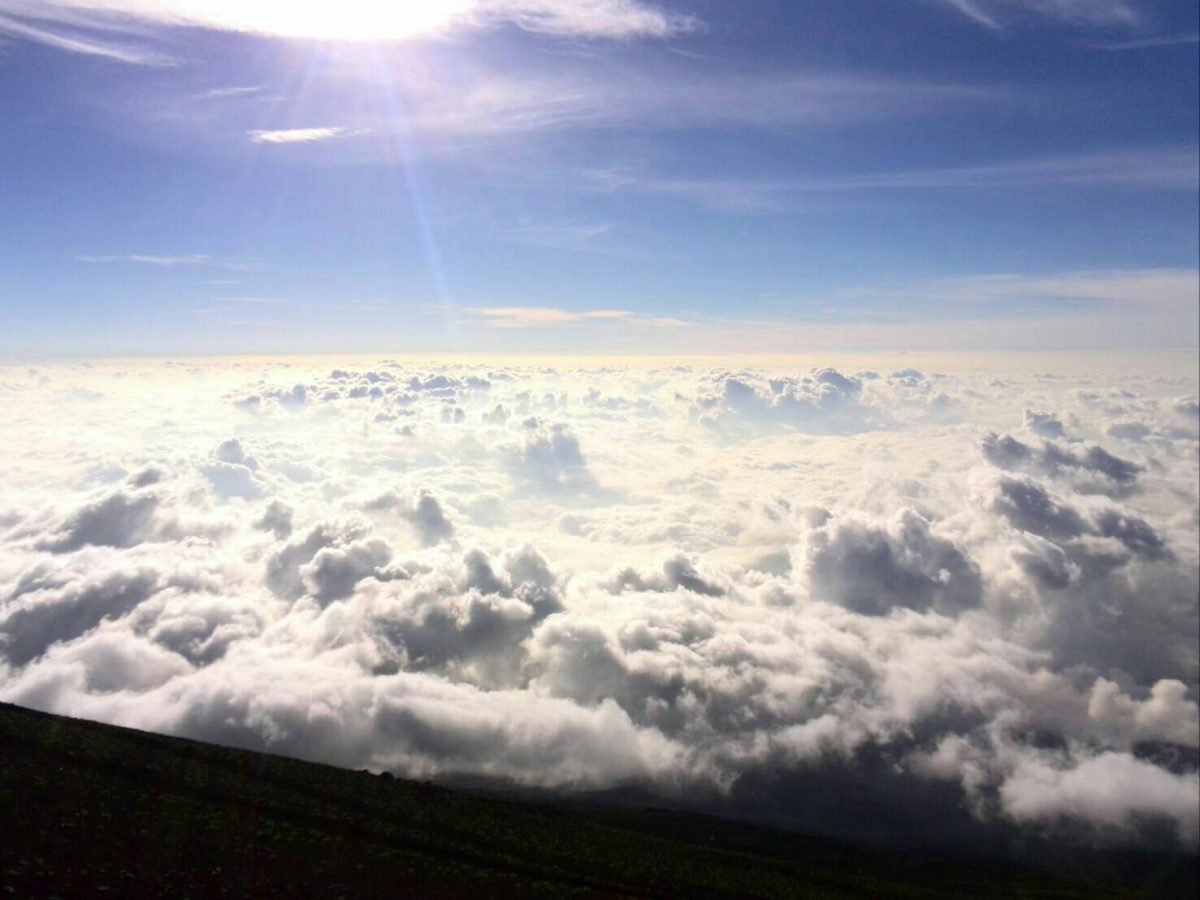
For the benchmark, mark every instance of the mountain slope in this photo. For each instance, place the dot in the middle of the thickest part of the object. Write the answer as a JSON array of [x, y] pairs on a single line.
[[94, 810]]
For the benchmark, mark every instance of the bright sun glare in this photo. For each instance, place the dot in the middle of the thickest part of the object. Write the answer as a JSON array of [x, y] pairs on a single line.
[[347, 20]]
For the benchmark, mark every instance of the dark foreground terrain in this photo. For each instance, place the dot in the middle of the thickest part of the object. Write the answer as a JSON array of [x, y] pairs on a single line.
[[92, 810]]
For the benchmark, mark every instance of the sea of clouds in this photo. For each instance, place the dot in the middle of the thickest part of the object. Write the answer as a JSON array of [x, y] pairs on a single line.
[[980, 581]]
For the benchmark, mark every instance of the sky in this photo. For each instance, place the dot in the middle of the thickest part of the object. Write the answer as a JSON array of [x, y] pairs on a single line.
[[619, 176]]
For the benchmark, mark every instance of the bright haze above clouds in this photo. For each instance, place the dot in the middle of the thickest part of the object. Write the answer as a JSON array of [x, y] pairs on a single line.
[[942, 174]]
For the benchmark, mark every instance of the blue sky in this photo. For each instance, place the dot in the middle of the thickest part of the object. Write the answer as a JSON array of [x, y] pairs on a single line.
[[597, 175]]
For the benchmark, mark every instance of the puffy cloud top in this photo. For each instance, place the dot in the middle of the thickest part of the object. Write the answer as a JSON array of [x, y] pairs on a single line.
[[685, 578]]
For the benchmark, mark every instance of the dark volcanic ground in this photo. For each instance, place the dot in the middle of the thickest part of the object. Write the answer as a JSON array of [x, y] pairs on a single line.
[[92, 810]]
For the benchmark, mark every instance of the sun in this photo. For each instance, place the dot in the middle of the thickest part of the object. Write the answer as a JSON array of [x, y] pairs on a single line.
[[339, 20]]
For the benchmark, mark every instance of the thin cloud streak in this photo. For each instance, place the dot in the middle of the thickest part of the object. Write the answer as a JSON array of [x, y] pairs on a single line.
[[494, 104], [578, 238], [1103, 310], [446, 106], [604, 19], [254, 301], [540, 317], [226, 92], [302, 135], [1082, 310], [995, 294], [995, 14], [170, 261], [1170, 40], [1154, 169], [191, 259], [353, 20], [1167, 169], [139, 56], [1134, 287], [972, 12]]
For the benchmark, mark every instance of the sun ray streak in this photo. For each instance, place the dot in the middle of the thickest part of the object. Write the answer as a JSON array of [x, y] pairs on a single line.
[[399, 137]]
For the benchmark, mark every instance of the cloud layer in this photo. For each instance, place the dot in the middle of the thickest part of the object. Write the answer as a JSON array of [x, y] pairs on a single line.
[[686, 578]]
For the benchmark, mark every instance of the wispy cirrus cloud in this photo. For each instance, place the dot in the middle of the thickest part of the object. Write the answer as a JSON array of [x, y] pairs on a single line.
[[1147, 43], [1086, 309], [995, 14], [147, 259], [170, 261], [1165, 169], [575, 237], [87, 45], [997, 294], [224, 307], [1118, 309], [613, 19], [498, 103], [1139, 288], [253, 301], [541, 317], [303, 135], [351, 20], [222, 93]]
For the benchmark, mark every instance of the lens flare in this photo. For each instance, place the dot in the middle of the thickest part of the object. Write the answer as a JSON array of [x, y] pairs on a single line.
[[349, 20]]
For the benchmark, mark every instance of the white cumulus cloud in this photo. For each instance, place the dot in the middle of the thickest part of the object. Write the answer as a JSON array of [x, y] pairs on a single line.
[[970, 580]]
